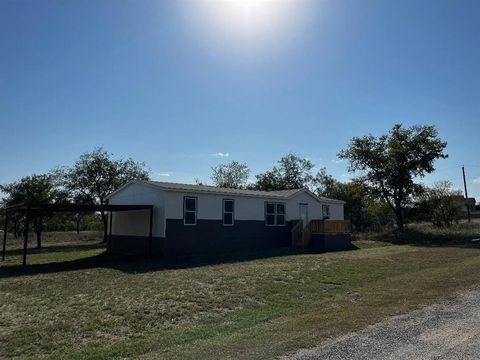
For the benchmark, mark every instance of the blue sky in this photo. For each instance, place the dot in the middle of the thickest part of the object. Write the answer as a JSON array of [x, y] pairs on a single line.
[[181, 84]]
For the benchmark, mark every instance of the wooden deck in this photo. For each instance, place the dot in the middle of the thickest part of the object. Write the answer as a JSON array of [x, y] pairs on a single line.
[[301, 235]]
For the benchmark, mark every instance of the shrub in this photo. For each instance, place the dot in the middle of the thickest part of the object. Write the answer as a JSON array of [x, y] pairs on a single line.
[[440, 204]]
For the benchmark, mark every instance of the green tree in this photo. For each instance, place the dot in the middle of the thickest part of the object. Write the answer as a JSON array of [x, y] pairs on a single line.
[[441, 203], [291, 172], [355, 194], [2, 216], [96, 174], [391, 162], [377, 215], [34, 189], [232, 175]]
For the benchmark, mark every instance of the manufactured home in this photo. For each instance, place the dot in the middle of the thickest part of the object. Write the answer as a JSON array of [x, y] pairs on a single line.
[[190, 220]]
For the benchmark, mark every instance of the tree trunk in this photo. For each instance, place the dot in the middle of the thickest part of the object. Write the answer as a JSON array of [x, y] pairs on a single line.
[[77, 219], [20, 228], [15, 227], [399, 218], [38, 230]]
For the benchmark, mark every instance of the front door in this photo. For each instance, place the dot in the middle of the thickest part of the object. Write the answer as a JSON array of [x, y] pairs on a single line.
[[304, 213]]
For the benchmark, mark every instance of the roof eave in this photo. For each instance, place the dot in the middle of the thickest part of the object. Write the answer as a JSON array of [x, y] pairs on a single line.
[[225, 193]]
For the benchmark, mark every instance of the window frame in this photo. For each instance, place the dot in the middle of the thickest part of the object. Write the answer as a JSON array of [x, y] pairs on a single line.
[[325, 206], [275, 213], [190, 211], [228, 212]]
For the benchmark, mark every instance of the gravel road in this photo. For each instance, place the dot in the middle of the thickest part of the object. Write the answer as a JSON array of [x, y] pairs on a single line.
[[450, 330]]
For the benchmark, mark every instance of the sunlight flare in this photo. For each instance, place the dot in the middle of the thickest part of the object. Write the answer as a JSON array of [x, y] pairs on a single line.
[[249, 21]]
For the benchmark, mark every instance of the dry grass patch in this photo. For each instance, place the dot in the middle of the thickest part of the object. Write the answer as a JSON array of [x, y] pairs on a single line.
[[91, 307]]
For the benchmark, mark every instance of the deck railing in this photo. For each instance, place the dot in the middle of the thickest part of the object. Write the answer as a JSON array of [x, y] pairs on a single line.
[[329, 226], [301, 235]]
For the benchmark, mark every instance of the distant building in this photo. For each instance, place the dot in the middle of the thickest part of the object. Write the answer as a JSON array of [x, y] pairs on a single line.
[[469, 203]]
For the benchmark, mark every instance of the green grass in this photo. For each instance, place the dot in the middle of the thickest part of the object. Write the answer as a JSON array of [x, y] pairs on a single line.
[[73, 303]]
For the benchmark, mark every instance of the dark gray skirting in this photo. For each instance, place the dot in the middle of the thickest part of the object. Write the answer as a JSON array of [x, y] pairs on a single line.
[[331, 242], [207, 238]]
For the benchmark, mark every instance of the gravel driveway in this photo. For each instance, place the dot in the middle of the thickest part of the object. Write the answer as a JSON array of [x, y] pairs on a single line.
[[450, 330]]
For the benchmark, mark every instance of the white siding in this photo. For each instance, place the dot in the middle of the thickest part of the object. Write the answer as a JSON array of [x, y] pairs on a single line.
[[314, 208], [293, 207], [169, 205], [136, 223], [247, 208], [210, 206], [336, 211]]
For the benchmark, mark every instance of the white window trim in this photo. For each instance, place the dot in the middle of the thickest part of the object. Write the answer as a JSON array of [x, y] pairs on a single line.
[[325, 206], [275, 213], [228, 212], [185, 210]]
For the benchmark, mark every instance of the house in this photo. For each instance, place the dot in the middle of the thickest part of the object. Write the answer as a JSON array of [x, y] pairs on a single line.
[[206, 220]]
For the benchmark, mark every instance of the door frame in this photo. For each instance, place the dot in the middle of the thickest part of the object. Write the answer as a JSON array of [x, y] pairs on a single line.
[[304, 205]]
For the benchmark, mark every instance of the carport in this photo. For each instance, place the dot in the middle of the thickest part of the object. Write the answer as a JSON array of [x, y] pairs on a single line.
[[30, 210]]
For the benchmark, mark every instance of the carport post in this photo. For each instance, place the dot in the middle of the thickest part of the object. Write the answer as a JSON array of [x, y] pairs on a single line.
[[150, 232], [25, 240], [109, 245], [5, 236]]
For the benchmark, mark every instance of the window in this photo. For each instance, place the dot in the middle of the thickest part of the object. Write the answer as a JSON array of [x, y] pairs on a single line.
[[270, 214], [228, 211], [274, 214], [189, 210], [326, 212]]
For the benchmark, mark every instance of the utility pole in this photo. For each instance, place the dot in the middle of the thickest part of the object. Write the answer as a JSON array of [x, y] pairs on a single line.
[[466, 194]]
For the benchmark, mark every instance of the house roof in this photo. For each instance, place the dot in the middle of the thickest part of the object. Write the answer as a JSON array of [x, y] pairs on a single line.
[[215, 189], [280, 194]]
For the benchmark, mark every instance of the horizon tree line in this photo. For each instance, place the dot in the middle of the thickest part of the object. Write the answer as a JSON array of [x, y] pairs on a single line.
[[384, 190]]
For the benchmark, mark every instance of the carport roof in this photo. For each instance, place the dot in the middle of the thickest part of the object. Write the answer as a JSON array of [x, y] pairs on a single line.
[[74, 207]]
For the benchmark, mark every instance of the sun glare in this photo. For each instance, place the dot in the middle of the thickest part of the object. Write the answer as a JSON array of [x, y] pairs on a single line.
[[248, 21]]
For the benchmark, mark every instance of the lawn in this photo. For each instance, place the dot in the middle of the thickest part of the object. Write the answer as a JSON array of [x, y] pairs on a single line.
[[73, 303]]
